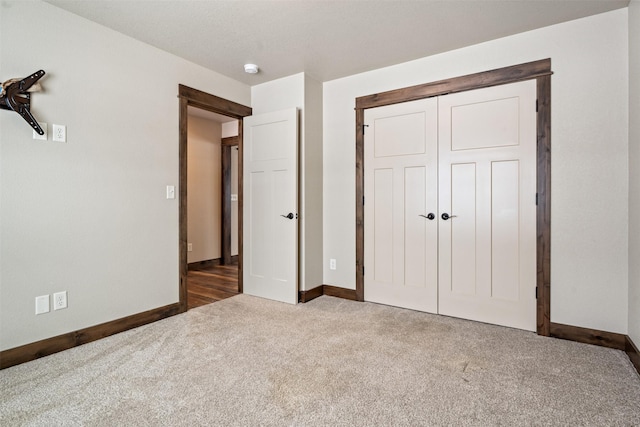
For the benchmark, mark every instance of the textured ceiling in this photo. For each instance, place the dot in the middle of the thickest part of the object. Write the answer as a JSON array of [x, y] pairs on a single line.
[[326, 39]]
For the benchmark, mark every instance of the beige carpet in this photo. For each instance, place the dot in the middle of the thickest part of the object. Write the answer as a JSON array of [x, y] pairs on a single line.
[[246, 361]]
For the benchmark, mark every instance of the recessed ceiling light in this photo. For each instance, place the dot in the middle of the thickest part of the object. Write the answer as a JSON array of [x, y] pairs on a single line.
[[250, 68]]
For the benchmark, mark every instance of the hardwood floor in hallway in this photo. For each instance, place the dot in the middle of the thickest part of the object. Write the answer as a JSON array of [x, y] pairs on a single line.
[[211, 283]]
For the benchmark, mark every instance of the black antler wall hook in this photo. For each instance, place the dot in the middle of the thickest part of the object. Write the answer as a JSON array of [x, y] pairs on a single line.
[[14, 95]]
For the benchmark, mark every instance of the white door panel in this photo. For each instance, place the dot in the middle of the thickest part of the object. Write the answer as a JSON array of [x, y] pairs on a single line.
[[487, 152], [471, 155], [271, 185], [400, 185]]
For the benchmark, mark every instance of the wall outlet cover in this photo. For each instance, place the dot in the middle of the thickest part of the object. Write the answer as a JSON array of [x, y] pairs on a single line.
[[59, 133], [60, 300]]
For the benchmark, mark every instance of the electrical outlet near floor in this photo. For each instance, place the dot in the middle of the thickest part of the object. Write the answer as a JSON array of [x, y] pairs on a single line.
[[189, 247], [60, 300], [332, 264]]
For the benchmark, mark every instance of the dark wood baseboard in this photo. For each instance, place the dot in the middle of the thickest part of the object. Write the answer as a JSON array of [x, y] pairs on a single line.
[[46, 347], [332, 291], [588, 336], [633, 353], [207, 263], [306, 296], [596, 337]]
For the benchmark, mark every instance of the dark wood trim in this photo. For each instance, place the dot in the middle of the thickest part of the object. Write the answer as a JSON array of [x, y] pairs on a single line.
[[306, 296], [203, 264], [240, 206], [538, 70], [334, 291], [516, 73], [49, 346], [227, 144], [225, 204], [543, 214], [360, 205], [196, 98], [588, 336], [633, 353], [209, 263], [231, 141], [206, 101], [182, 204]]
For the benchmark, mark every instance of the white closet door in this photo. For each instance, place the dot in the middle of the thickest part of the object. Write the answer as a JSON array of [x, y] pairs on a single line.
[[487, 184], [400, 192]]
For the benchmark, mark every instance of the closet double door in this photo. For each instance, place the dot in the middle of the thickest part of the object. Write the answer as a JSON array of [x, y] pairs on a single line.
[[450, 205]]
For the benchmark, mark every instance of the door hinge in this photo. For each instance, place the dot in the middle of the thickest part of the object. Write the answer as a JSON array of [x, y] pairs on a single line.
[[536, 292], [536, 105], [536, 199], [362, 200], [364, 126], [363, 270]]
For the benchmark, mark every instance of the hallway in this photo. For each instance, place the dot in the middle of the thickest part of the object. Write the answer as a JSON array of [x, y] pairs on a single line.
[[211, 283]]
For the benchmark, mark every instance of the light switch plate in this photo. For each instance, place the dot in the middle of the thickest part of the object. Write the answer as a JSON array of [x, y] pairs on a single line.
[[171, 192], [43, 137], [42, 304]]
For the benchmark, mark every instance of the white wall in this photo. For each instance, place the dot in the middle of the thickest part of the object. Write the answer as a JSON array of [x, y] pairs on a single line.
[[89, 216], [304, 93], [634, 171], [312, 194], [204, 175], [589, 158], [230, 129]]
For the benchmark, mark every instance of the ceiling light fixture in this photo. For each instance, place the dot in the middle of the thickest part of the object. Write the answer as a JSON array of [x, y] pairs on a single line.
[[250, 68]]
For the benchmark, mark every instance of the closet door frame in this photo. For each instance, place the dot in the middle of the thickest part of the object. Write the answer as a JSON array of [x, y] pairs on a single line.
[[537, 70]]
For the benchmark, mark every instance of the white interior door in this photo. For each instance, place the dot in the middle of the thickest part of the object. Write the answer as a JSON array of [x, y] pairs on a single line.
[[270, 217], [487, 184], [471, 157], [401, 250]]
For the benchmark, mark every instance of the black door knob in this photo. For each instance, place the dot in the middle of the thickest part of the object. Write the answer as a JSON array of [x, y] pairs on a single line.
[[446, 216], [429, 216], [290, 216]]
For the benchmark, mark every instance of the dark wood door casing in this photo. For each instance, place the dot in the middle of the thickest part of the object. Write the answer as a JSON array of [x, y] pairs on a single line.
[[196, 98], [227, 145], [538, 70]]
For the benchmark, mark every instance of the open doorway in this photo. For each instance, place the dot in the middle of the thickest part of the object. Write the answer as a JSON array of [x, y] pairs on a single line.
[[212, 207], [190, 97]]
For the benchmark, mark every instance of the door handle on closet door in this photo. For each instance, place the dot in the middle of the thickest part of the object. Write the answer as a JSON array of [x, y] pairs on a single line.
[[290, 216], [446, 216], [430, 216]]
